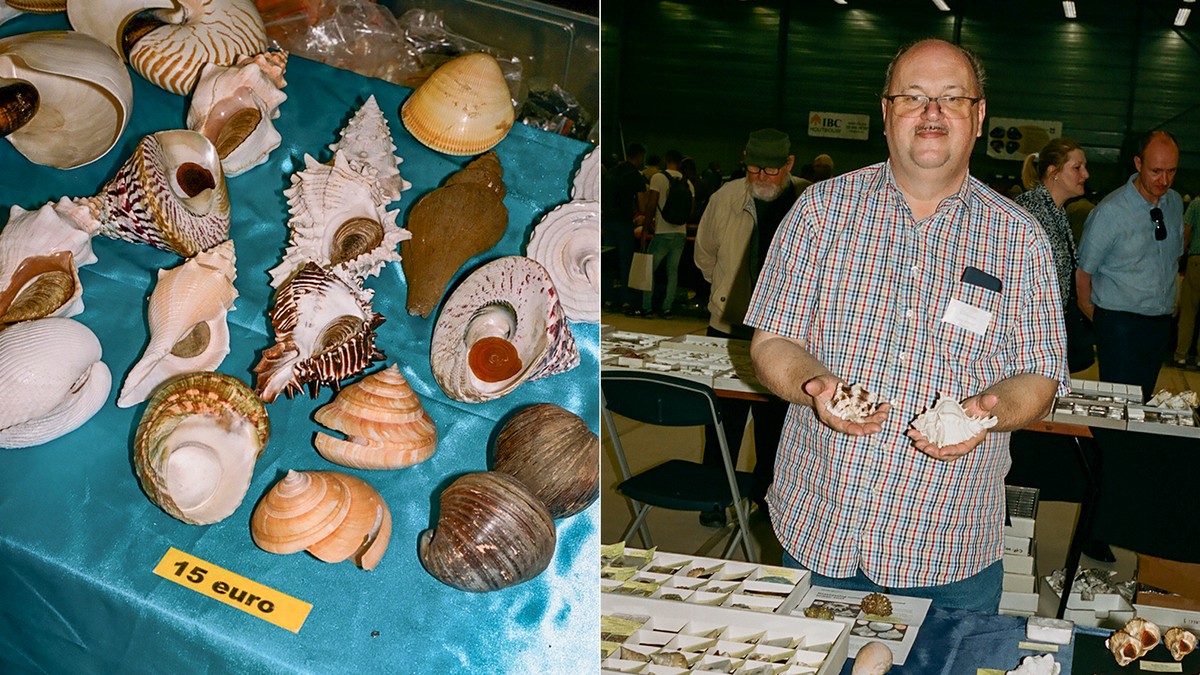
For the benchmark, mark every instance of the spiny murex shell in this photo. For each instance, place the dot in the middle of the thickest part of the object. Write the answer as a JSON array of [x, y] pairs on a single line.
[[464, 108], [188, 331], [853, 403], [197, 443], [332, 515], [367, 139], [338, 221], [233, 107], [324, 333], [170, 194], [80, 92], [51, 380], [383, 420], [553, 453], [567, 243], [503, 325], [491, 533], [946, 423], [40, 253], [586, 186]]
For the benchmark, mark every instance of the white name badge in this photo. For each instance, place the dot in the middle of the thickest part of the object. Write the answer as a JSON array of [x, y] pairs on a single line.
[[968, 317]]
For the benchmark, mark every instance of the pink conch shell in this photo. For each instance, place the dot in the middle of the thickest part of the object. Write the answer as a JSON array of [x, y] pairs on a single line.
[[946, 423], [367, 140], [384, 424], [567, 243], [1180, 642], [853, 403], [233, 107], [40, 253]]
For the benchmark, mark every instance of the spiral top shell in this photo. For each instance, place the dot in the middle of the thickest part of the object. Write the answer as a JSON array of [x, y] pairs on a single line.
[[383, 420]]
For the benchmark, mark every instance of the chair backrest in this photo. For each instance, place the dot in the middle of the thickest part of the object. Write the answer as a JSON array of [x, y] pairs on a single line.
[[659, 398]]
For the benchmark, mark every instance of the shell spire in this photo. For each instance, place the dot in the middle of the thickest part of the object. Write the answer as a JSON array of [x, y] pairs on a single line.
[[383, 420], [367, 139]]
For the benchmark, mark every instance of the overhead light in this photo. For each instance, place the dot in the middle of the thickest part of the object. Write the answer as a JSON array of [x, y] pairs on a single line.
[[1182, 15], [1069, 9], [941, 4]]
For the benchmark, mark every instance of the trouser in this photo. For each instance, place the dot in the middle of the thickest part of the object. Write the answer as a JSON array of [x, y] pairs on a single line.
[[621, 236], [668, 247], [1131, 347], [1189, 302]]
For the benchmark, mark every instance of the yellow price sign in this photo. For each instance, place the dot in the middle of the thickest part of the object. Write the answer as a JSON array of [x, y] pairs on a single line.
[[233, 589]]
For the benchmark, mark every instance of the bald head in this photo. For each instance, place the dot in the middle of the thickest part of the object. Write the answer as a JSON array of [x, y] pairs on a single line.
[[968, 56]]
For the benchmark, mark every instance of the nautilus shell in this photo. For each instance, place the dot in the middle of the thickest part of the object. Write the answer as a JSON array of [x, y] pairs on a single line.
[[188, 331], [169, 194], [853, 403], [324, 333], [553, 453], [40, 253], [491, 533], [586, 185], [367, 140], [464, 108], [338, 221], [1180, 642], [196, 445], [65, 98], [332, 515], [383, 421], [233, 106], [173, 39], [503, 325], [51, 380], [946, 423], [567, 243]]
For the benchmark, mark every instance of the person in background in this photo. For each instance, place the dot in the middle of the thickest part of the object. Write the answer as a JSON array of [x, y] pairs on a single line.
[[1052, 176], [915, 280], [622, 217], [713, 180], [653, 166], [688, 168], [822, 168], [669, 237], [731, 244], [1189, 293]]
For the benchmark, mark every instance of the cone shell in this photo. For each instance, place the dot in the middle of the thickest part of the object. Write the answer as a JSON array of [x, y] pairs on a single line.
[[367, 140], [187, 316], [567, 243], [196, 445], [40, 253], [554, 454], [51, 380], [332, 515], [464, 108], [384, 424], [233, 106], [491, 533]]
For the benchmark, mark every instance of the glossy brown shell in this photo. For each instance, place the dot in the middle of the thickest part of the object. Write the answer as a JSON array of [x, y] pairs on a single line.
[[554, 454]]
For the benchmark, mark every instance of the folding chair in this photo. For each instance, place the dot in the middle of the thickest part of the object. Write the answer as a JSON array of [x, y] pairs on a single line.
[[668, 400]]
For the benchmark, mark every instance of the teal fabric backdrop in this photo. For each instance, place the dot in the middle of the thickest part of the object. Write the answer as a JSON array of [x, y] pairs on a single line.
[[78, 538]]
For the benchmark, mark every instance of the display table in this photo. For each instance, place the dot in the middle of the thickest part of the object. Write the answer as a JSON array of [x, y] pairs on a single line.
[[79, 539]]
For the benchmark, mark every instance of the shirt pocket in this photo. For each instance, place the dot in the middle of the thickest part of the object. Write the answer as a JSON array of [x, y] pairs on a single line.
[[962, 347]]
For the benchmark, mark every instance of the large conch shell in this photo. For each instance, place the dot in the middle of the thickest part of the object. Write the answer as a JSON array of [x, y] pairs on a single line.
[[176, 38], [65, 98], [40, 253], [233, 107], [338, 221], [448, 227], [186, 313], [332, 515], [586, 186], [169, 194], [366, 139], [567, 243], [464, 108], [324, 333], [552, 452], [197, 443], [51, 380], [946, 423], [491, 533], [503, 325], [384, 424]]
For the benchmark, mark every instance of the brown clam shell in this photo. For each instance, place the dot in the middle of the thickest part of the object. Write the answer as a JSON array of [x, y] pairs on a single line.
[[492, 533], [554, 454]]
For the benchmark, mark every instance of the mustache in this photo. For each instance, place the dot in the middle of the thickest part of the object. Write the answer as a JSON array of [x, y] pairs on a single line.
[[930, 126]]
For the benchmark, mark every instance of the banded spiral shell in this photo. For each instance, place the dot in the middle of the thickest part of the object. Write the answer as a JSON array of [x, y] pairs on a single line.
[[383, 420], [553, 453]]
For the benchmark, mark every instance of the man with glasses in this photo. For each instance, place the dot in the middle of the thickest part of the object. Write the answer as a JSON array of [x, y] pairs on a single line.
[[1129, 265], [914, 280]]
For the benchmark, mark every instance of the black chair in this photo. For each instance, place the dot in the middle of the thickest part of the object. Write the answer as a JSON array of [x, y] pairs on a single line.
[[668, 400]]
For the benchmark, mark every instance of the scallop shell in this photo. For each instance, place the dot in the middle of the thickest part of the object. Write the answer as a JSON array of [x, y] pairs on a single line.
[[586, 186], [1180, 642], [233, 107], [567, 243], [367, 140], [503, 325], [196, 445], [553, 453], [169, 194], [68, 97], [464, 108], [51, 380], [40, 253], [332, 515], [338, 221], [384, 424], [946, 423], [188, 330], [324, 333], [176, 39], [491, 533]]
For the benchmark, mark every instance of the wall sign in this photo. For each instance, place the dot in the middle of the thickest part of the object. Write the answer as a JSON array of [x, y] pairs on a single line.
[[839, 125], [1011, 138]]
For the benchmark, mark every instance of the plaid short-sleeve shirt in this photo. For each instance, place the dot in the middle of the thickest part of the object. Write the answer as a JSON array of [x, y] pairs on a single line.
[[866, 288]]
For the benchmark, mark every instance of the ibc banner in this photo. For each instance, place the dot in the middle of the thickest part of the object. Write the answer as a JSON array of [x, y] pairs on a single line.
[[839, 125]]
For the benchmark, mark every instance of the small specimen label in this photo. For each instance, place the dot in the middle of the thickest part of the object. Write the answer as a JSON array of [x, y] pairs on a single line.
[[1037, 646]]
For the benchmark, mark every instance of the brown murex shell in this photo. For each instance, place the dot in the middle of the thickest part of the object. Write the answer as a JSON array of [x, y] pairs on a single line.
[[554, 454], [384, 423]]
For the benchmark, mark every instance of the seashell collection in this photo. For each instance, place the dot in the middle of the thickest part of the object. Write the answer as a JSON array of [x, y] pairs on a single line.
[[853, 403], [464, 108], [383, 420], [233, 106], [567, 243], [946, 423], [554, 454]]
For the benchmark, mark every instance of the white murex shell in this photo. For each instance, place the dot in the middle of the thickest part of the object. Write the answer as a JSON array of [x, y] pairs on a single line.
[[947, 423], [187, 316], [51, 380], [40, 254], [567, 243], [367, 140], [233, 107]]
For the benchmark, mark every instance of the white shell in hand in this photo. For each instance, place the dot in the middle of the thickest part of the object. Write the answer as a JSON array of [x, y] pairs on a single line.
[[946, 423]]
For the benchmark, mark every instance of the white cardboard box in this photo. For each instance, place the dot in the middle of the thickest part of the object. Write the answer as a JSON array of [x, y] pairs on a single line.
[[1165, 616], [1019, 583], [1019, 564], [1019, 602], [1020, 527], [1017, 545]]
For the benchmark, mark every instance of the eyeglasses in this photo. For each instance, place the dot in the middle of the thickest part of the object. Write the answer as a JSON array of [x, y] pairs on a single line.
[[770, 171], [912, 105], [1160, 226]]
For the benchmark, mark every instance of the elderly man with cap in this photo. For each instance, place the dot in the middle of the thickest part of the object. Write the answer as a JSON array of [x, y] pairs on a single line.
[[731, 244]]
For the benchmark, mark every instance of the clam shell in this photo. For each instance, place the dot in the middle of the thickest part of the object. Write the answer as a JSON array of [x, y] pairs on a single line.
[[51, 380], [946, 423], [567, 243], [384, 424], [40, 252], [586, 185], [233, 107], [491, 533], [554, 454], [464, 108], [84, 96], [509, 300], [332, 515], [367, 140], [187, 316]]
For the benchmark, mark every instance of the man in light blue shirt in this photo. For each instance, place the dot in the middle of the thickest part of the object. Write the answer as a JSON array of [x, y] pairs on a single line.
[[1128, 266]]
